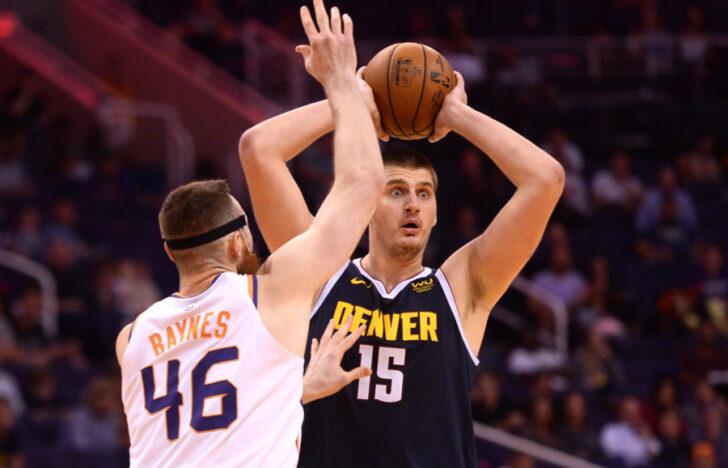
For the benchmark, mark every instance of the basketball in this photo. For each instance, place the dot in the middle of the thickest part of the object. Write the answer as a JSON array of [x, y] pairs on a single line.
[[409, 82]]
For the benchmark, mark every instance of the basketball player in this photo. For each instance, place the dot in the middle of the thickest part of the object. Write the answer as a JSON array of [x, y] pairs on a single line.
[[212, 376], [424, 326]]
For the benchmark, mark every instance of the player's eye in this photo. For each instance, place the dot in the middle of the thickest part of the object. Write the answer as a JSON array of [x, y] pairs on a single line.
[[396, 192], [424, 194]]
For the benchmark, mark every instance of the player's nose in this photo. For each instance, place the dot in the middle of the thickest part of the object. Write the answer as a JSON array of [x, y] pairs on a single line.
[[412, 203]]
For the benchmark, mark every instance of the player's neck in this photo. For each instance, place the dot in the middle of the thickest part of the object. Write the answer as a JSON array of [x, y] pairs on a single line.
[[197, 282], [391, 271]]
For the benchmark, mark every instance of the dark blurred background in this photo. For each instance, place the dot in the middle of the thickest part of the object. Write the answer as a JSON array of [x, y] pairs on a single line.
[[612, 347]]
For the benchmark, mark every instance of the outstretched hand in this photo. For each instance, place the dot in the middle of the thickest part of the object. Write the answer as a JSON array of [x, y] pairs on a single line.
[[330, 54], [446, 118], [324, 375]]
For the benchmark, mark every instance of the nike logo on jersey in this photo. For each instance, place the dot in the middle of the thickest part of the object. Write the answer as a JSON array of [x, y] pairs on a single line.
[[358, 281]]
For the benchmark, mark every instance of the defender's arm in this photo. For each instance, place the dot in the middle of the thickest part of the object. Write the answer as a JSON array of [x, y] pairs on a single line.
[[303, 264], [481, 271]]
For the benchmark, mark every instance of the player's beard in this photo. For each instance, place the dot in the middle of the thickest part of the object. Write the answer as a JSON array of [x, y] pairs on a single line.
[[406, 250], [249, 264]]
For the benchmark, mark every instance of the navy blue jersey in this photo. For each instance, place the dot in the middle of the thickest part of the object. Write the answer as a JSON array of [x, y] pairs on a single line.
[[414, 410]]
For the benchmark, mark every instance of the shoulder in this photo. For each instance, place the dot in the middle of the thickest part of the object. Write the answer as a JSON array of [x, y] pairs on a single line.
[[122, 340]]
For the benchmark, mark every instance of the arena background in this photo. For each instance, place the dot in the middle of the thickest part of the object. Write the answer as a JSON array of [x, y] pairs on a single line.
[[611, 346]]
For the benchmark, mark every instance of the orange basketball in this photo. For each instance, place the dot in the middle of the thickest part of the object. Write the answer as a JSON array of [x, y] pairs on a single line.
[[409, 82]]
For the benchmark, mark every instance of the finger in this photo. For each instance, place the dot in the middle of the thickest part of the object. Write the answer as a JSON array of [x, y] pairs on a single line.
[[358, 373], [308, 26], [437, 136], [314, 347], [341, 333], [351, 339], [348, 26], [459, 81], [360, 72], [327, 333], [322, 18], [335, 20], [381, 134]]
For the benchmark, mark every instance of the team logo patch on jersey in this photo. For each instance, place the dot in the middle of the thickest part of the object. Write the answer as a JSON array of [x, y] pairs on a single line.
[[356, 280], [423, 286]]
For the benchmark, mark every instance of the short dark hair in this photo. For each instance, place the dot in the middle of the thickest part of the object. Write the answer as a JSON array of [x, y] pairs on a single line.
[[409, 158], [195, 208]]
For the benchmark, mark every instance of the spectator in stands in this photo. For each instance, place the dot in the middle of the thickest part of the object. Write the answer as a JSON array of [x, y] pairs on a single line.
[[94, 427], [630, 440], [663, 400], [709, 293], [490, 407], [617, 186], [595, 368], [43, 423], [560, 146], [10, 392], [459, 47], [599, 298], [703, 456], [135, 288], [694, 43], [64, 225], [72, 286], [675, 449], [520, 460], [652, 208], [532, 357], [29, 239], [700, 166], [706, 355], [576, 436], [514, 71], [11, 455], [561, 278], [14, 177], [715, 432], [704, 399], [540, 427]]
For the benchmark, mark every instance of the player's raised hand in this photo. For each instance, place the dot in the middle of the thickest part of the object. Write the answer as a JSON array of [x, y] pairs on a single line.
[[330, 54], [324, 375], [447, 117], [368, 94]]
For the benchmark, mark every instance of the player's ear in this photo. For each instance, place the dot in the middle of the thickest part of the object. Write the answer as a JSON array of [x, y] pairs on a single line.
[[169, 253], [235, 246], [434, 222], [248, 238]]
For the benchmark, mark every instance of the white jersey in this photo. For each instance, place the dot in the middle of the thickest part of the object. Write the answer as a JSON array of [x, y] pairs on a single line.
[[204, 384]]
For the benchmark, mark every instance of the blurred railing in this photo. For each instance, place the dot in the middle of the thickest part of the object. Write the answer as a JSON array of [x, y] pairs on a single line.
[[92, 102], [547, 456], [47, 283]]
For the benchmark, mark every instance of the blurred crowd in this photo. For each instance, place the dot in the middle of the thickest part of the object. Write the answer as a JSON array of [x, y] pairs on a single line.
[[636, 248]]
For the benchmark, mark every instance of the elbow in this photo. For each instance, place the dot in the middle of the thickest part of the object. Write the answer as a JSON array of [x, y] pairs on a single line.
[[249, 145], [553, 177]]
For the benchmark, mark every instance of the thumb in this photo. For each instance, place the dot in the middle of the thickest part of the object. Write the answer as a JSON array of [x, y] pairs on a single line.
[[358, 373], [303, 50], [437, 135]]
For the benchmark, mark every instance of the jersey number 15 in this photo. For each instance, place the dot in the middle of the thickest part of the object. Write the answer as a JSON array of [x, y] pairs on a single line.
[[201, 390]]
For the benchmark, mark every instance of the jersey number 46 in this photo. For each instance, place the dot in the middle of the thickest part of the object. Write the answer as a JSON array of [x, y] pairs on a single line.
[[201, 390]]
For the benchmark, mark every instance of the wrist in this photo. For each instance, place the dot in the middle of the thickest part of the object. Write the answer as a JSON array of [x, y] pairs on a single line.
[[452, 114], [340, 83]]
